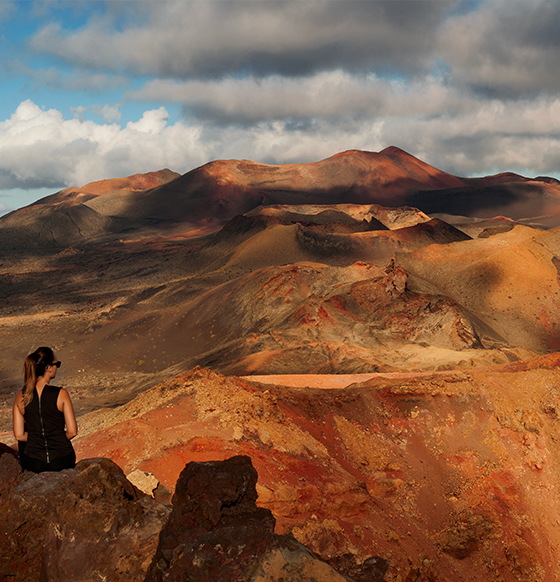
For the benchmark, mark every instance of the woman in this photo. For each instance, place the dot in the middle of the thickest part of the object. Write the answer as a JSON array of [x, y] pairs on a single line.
[[44, 420]]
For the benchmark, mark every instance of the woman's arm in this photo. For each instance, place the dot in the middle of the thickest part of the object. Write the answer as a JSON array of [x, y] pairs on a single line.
[[19, 420], [64, 404]]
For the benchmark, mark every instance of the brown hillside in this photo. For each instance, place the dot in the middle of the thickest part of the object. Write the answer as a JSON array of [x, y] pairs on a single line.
[[510, 281], [163, 204], [225, 188]]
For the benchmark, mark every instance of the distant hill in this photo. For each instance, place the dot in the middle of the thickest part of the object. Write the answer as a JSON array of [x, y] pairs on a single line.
[[201, 201]]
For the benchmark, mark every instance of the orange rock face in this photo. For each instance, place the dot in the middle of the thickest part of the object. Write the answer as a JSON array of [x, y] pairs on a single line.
[[452, 475]]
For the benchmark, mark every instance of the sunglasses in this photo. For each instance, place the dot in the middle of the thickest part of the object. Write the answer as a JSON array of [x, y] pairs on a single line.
[[57, 364]]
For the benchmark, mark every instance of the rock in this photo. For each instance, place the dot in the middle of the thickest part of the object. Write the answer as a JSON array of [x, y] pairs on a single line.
[[464, 537], [146, 482], [82, 524], [217, 532], [293, 562], [162, 494], [9, 465], [371, 570]]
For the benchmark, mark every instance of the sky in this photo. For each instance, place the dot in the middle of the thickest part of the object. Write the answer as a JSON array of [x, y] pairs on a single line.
[[93, 90]]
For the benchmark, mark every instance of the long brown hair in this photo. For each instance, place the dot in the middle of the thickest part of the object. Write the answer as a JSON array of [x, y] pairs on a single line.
[[35, 366]]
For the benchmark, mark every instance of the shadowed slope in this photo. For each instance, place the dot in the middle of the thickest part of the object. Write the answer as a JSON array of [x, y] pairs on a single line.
[[51, 226], [77, 215], [508, 194], [510, 281]]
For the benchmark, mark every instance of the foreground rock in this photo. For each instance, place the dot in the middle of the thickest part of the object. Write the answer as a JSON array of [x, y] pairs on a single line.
[[90, 523], [82, 524], [217, 532]]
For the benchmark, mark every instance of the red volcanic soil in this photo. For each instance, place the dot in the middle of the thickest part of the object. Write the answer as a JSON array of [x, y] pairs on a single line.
[[448, 476]]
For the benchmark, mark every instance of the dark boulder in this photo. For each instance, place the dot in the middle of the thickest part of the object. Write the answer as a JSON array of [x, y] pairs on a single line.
[[10, 468], [82, 524], [217, 532]]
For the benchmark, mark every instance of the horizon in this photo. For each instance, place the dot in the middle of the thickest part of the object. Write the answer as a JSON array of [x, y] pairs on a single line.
[[101, 90]]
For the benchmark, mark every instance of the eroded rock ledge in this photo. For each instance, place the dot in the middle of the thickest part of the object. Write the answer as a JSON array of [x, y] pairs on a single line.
[[83, 524], [91, 523]]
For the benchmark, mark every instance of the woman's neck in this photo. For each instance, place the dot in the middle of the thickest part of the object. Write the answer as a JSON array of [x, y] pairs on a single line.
[[41, 383]]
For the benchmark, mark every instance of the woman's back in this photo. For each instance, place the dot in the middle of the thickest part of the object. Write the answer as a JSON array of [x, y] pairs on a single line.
[[44, 420], [45, 426]]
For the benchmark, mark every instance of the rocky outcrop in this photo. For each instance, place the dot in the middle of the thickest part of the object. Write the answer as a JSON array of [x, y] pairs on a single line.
[[91, 523], [217, 532], [310, 318], [10, 468], [82, 524]]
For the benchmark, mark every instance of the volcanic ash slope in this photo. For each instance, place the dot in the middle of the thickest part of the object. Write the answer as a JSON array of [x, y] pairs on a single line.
[[448, 476], [510, 281]]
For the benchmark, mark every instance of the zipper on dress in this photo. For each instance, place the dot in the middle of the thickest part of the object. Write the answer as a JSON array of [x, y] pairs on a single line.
[[43, 430]]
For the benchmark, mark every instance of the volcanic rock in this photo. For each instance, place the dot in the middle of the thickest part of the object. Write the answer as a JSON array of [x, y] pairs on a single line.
[[9, 466], [83, 524], [217, 532]]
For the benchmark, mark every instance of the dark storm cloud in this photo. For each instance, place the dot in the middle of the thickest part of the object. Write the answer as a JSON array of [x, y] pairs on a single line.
[[212, 39], [505, 48]]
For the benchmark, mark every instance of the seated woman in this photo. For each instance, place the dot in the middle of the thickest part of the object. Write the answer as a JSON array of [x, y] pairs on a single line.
[[44, 420]]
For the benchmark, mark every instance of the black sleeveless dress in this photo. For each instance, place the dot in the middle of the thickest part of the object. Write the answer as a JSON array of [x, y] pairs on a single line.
[[47, 448]]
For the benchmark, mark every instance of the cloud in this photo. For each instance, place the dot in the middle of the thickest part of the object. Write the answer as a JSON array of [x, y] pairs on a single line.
[[211, 39], [44, 149], [53, 78], [7, 9], [336, 95], [109, 113], [505, 48], [79, 112]]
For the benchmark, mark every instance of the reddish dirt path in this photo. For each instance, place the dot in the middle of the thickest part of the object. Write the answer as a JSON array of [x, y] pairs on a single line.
[[331, 381]]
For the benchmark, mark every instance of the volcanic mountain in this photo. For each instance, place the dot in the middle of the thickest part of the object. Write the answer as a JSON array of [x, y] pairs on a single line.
[[201, 201], [251, 268]]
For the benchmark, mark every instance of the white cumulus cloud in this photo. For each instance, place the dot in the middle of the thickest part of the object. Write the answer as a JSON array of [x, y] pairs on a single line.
[[42, 148]]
